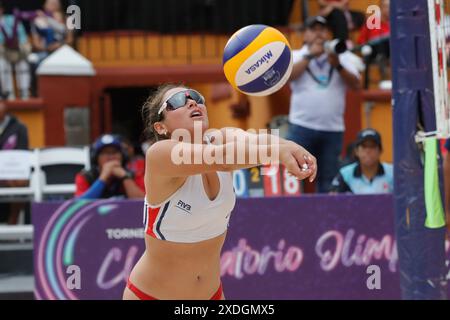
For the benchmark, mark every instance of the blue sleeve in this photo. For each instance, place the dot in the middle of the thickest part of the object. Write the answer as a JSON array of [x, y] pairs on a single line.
[[447, 144], [95, 191]]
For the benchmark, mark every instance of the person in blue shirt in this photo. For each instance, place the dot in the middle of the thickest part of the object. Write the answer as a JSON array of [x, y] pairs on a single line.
[[109, 175], [368, 175]]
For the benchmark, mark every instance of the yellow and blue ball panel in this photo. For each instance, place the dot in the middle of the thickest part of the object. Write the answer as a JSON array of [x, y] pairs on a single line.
[[256, 59]]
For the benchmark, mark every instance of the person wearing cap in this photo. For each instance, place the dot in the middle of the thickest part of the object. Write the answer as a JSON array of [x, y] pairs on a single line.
[[319, 82], [108, 176], [368, 175]]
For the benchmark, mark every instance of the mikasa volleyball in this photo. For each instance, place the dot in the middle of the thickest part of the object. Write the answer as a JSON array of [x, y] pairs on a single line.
[[257, 60]]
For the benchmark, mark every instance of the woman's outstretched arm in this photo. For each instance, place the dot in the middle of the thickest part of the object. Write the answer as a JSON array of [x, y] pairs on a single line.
[[179, 159]]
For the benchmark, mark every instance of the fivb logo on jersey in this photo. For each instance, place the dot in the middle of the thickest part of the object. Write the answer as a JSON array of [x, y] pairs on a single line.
[[186, 207]]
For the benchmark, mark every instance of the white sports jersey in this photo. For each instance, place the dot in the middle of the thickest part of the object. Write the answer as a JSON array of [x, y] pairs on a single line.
[[320, 106], [188, 215]]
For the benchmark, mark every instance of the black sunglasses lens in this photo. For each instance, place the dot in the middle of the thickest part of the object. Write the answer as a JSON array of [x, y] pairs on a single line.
[[178, 100], [194, 95]]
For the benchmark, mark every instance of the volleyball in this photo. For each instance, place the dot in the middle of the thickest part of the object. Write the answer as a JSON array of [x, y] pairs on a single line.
[[257, 60]]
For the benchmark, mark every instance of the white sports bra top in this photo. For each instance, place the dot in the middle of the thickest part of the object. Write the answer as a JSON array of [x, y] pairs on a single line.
[[188, 215]]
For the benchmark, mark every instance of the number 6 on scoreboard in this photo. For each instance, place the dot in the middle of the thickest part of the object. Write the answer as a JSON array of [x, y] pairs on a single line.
[[291, 185]]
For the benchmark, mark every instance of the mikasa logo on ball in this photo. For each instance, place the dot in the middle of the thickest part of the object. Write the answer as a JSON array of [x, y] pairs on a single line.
[[264, 59], [257, 60], [259, 63]]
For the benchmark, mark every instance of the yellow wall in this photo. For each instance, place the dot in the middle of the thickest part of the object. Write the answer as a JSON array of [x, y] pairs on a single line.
[[34, 121], [152, 49], [105, 51]]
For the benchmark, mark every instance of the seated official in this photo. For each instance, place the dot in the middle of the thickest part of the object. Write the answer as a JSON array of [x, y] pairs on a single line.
[[108, 176], [368, 175]]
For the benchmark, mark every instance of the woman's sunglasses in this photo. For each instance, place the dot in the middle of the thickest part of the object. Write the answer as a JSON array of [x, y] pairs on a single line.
[[180, 99]]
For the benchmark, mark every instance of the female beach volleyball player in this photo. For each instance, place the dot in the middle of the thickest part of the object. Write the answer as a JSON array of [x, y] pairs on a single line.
[[188, 206]]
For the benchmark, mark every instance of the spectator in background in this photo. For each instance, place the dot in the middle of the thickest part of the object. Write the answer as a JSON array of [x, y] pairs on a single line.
[[49, 33], [379, 38], [447, 183], [136, 162], [342, 20], [368, 175], [13, 136], [108, 176], [319, 82], [14, 51], [49, 30]]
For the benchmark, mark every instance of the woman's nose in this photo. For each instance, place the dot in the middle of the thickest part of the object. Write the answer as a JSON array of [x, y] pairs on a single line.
[[191, 103]]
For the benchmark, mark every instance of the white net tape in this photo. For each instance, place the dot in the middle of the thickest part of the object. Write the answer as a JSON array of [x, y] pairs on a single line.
[[439, 20]]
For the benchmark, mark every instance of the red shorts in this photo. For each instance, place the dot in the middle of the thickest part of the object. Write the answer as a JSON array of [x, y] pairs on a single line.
[[143, 296]]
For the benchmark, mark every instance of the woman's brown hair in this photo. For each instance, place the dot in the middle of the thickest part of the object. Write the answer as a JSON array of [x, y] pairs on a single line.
[[150, 111]]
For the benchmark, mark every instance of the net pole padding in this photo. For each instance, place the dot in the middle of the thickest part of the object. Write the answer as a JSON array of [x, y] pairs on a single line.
[[421, 250]]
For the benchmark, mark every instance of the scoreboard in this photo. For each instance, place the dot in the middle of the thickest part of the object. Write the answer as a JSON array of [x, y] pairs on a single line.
[[275, 182]]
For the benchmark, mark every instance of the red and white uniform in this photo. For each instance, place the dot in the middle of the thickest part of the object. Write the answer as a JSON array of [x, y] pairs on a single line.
[[188, 215]]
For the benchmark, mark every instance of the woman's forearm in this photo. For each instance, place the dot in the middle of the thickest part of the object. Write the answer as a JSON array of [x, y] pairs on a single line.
[[238, 155], [247, 149], [236, 134], [297, 161], [229, 149]]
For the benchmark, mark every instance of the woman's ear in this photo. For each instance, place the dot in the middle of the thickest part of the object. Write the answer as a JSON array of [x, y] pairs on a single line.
[[160, 128]]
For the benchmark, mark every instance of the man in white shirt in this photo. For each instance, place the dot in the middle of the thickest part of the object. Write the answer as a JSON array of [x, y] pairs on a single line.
[[319, 81]]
